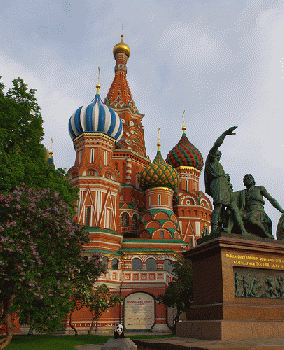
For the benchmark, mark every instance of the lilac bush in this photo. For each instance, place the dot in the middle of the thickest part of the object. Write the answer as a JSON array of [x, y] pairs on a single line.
[[41, 259]]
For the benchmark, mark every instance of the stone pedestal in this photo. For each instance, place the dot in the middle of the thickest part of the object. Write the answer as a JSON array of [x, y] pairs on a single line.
[[238, 290], [161, 328], [119, 344]]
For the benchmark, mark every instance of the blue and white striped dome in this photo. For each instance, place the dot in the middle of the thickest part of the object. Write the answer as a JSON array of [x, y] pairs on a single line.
[[96, 117]]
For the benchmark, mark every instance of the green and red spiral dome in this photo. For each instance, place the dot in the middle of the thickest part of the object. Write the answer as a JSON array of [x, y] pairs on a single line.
[[185, 154], [158, 174]]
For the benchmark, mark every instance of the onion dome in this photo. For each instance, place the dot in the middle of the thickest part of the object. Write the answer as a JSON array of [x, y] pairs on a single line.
[[96, 118], [121, 48], [159, 174], [185, 154]]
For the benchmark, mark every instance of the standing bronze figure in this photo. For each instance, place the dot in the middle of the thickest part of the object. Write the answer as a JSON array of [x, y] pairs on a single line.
[[217, 185]]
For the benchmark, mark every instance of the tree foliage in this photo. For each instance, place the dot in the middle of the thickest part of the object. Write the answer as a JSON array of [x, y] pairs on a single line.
[[179, 293], [96, 299], [100, 300], [22, 156], [40, 258]]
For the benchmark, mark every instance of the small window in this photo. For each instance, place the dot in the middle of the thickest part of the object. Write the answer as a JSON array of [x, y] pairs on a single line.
[[91, 172], [114, 264], [136, 264], [88, 216], [162, 235], [135, 223], [124, 219], [159, 199], [92, 155], [109, 175], [105, 261], [150, 264]]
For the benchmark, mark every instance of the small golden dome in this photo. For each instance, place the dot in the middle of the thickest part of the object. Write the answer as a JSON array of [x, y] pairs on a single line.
[[121, 48]]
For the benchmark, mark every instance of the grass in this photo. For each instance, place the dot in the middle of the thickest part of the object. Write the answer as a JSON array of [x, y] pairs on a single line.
[[66, 342]]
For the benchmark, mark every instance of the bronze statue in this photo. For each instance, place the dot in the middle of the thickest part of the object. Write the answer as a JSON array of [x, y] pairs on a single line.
[[217, 185], [252, 208], [280, 228]]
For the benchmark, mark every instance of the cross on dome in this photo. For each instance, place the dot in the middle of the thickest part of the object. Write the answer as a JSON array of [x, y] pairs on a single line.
[[98, 86], [159, 143], [183, 125]]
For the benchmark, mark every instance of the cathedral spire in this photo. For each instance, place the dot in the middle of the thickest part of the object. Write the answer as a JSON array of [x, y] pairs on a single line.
[[119, 95]]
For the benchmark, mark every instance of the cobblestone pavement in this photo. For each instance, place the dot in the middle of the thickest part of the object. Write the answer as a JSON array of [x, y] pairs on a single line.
[[177, 343]]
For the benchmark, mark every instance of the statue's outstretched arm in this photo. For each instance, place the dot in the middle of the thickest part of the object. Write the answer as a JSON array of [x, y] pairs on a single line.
[[271, 199], [221, 139]]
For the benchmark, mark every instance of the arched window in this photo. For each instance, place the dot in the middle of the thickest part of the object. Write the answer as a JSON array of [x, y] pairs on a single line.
[[150, 264], [91, 172], [109, 175], [105, 262], [124, 219], [162, 235], [135, 223], [114, 264], [159, 199], [168, 266], [136, 264]]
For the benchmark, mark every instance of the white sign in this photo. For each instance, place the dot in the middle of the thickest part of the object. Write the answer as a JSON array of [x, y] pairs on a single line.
[[139, 311]]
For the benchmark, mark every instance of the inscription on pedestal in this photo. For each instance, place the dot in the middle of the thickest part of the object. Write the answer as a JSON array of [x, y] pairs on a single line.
[[255, 261], [258, 283]]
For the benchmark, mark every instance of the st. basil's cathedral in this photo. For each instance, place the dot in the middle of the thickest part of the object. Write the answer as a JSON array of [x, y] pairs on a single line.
[[141, 215]]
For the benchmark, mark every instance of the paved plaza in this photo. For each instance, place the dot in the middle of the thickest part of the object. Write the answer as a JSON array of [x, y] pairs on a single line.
[[177, 343]]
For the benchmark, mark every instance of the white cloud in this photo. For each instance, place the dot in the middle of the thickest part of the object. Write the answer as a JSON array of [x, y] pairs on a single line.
[[195, 47]]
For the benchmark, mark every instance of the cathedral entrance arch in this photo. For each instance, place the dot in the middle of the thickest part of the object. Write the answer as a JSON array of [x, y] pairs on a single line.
[[139, 311]]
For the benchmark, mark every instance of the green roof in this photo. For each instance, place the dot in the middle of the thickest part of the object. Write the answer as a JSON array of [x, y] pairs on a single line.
[[172, 230], [130, 206], [151, 230], [154, 211], [162, 221], [175, 241], [101, 251]]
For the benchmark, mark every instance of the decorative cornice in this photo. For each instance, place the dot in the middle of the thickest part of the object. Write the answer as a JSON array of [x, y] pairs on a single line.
[[93, 134], [160, 188], [182, 167]]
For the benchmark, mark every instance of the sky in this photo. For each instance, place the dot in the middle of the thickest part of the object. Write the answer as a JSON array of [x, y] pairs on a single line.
[[220, 61]]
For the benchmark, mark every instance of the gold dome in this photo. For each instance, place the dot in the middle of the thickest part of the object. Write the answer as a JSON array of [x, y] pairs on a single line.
[[121, 48]]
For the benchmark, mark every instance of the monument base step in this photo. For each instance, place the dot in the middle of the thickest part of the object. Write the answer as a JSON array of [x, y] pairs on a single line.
[[230, 329]]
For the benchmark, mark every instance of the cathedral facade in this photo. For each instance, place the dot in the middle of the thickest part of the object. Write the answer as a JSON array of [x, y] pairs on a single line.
[[141, 215]]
